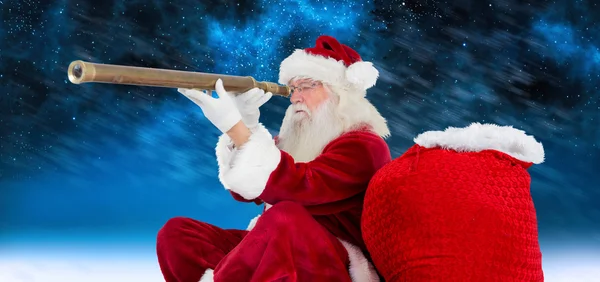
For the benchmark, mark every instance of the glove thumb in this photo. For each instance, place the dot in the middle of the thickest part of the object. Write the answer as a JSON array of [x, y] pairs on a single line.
[[221, 90]]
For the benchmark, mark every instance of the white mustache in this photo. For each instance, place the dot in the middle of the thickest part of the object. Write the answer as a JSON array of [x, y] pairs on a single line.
[[300, 107]]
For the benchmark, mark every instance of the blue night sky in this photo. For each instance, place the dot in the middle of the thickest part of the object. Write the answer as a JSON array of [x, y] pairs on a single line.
[[97, 163]]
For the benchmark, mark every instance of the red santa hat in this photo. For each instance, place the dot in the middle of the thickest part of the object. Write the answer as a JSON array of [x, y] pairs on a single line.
[[331, 62]]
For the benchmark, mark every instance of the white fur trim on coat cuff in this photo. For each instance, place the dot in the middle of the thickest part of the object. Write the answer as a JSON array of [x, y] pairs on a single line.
[[361, 270], [225, 153], [478, 137], [251, 165]]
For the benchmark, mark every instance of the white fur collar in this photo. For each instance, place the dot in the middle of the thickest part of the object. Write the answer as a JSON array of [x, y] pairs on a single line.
[[477, 137]]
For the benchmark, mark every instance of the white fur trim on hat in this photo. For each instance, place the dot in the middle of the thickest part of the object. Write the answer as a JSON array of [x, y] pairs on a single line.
[[362, 74], [478, 137]]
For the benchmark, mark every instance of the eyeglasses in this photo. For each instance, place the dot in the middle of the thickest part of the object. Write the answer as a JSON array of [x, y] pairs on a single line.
[[303, 87]]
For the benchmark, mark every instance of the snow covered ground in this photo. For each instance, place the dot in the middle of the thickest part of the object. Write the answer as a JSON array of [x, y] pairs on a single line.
[[46, 269], [78, 262], [114, 265]]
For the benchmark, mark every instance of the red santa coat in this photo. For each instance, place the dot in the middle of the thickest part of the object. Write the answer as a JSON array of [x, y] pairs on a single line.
[[456, 207], [331, 187]]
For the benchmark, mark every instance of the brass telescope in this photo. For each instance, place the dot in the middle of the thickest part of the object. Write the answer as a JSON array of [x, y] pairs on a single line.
[[82, 72]]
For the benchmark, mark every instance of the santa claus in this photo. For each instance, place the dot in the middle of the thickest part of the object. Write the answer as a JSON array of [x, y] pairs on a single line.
[[312, 177]]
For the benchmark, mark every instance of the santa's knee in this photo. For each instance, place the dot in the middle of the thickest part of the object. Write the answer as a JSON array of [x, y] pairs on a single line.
[[285, 215], [170, 234], [288, 207]]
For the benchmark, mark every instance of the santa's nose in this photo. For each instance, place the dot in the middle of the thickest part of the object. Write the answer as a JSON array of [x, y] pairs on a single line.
[[296, 98]]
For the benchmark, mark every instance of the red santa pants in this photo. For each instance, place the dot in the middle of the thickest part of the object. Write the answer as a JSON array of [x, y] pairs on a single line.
[[287, 244]]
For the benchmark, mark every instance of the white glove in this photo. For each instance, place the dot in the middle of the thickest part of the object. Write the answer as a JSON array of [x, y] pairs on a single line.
[[248, 104], [222, 111]]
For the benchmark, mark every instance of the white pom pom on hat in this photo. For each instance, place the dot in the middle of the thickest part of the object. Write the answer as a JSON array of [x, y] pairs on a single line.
[[330, 62]]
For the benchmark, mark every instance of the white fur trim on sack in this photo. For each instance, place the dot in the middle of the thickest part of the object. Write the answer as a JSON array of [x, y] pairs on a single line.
[[362, 75], [208, 276], [477, 137], [250, 166], [361, 270]]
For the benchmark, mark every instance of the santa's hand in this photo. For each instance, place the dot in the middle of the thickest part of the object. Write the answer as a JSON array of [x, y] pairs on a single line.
[[249, 103], [221, 111]]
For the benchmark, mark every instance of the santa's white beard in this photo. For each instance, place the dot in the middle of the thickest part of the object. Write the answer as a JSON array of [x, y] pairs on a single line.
[[304, 135]]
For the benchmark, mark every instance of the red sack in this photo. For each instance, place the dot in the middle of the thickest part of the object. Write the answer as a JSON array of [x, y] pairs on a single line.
[[456, 207]]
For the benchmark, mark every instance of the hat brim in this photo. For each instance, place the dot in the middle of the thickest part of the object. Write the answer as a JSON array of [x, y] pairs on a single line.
[[328, 70], [317, 67]]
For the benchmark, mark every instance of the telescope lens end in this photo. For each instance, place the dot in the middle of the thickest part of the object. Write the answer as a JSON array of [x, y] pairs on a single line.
[[76, 72]]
